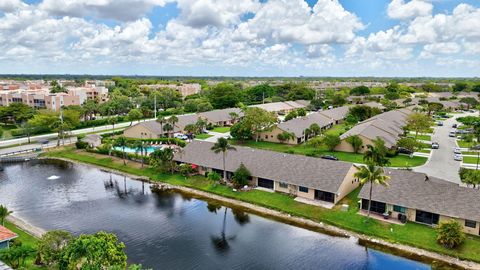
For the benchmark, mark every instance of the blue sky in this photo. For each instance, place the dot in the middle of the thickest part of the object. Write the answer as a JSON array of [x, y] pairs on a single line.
[[242, 37]]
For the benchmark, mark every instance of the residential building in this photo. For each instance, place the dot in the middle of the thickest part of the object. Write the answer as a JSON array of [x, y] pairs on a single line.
[[5, 237], [153, 129], [283, 107], [309, 178], [185, 89], [297, 127], [336, 115], [425, 200], [387, 126]]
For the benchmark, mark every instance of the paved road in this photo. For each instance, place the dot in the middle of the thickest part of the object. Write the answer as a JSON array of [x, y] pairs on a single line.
[[441, 163], [24, 147]]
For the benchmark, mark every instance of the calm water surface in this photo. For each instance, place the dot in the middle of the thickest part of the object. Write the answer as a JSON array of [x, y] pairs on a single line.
[[170, 231]]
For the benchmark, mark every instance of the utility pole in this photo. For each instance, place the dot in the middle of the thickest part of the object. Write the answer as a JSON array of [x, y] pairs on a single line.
[[263, 97]]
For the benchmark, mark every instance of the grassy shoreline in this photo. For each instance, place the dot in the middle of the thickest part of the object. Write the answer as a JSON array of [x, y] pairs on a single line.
[[411, 234]]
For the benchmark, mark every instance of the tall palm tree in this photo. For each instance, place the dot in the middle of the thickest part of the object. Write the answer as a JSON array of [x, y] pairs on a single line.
[[376, 153], [373, 175], [139, 146], [161, 120], [122, 142], [222, 145], [173, 120], [4, 213], [168, 127]]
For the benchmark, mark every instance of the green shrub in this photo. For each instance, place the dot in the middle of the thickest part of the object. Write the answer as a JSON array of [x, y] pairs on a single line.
[[81, 145], [450, 234]]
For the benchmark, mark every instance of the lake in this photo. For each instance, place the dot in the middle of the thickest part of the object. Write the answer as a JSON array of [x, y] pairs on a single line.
[[167, 230]]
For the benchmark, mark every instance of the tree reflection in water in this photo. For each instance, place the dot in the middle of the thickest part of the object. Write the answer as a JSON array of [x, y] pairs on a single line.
[[221, 242]]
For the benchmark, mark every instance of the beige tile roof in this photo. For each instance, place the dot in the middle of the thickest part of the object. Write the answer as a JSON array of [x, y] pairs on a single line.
[[336, 114], [326, 175]]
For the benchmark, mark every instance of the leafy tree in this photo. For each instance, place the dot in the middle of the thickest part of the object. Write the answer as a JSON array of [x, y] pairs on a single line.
[[291, 115], [409, 143], [285, 136], [418, 122], [301, 112], [133, 115], [213, 176], [163, 159], [373, 175], [476, 88], [241, 176], [470, 101], [185, 169], [459, 87], [233, 116], [450, 234], [331, 141], [241, 131], [362, 112], [4, 213], [97, 251], [167, 128], [407, 101], [338, 100], [376, 154], [190, 105], [57, 88], [191, 128], [122, 142], [434, 107], [431, 87], [222, 145], [172, 120], [112, 121], [316, 142], [224, 95], [204, 106], [258, 92], [91, 108], [51, 246], [16, 255], [315, 129], [299, 91], [360, 91], [140, 146], [356, 142], [316, 104], [258, 120], [16, 112], [392, 91]]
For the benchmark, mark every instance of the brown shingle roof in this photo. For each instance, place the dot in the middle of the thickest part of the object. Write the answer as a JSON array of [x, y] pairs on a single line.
[[220, 115], [409, 189], [326, 175], [336, 114], [298, 125]]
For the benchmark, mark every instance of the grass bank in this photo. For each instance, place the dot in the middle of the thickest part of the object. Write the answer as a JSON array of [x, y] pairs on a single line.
[[412, 234], [304, 149], [26, 240]]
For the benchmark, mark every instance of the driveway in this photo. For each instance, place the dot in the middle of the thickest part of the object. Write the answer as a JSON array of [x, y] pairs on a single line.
[[441, 163], [216, 136]]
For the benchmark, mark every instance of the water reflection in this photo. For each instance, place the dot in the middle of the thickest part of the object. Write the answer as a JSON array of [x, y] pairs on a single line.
[[163, 229]]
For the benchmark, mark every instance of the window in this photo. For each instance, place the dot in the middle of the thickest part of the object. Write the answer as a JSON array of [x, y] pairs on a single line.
[[303, 189], [470, 223], [426, 217], [283, 185], [399, 209], [377, 207]]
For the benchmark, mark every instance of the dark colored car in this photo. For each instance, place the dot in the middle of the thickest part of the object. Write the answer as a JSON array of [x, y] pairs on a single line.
[[403, 150], [454, 126], [329, 157]]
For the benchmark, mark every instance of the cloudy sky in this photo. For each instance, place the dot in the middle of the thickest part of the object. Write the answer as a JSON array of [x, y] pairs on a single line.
[[241, 37]]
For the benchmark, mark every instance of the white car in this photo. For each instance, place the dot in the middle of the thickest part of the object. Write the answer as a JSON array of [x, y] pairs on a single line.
[[458, 157], [457, 151], [180, 136]]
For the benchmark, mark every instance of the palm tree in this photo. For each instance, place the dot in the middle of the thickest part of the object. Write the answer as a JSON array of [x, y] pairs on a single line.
[[168, 127], [139, 146], [161, 120], [222, 145], [376, 153], [112, 121], [173, 120], [373, 175], [233, 116], [4, 213], [122, 142]]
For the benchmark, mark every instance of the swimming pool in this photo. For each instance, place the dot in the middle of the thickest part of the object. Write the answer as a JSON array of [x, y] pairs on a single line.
[[149, 149]]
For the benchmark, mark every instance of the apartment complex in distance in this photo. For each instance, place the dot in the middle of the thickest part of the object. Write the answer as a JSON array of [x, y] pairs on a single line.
[[185, 89]]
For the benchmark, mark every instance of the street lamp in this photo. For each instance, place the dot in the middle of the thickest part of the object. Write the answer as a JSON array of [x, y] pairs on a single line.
[[476, 148]]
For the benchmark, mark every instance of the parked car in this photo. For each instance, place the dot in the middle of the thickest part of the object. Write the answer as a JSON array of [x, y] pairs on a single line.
[[44, 141], [403, 150], [452, 134], [329, 157], [457, 151], [435, 145], [180, 136], [454, 126], [458, 157], [439, 123]]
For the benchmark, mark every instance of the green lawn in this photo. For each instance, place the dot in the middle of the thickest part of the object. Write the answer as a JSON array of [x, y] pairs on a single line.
[[337, 129], [27, 240], [411, 234], [303, 149], [464, 144], [471, 160], [470, 153], [221, 129], [424, 137], [203, 136], [425, 151]]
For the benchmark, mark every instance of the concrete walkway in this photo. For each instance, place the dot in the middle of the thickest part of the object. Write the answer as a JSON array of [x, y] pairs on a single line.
[[216, 136], [3, 266], [441, 163]]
